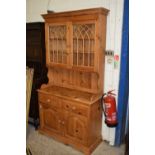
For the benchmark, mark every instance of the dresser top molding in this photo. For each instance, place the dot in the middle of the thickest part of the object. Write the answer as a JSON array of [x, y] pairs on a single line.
[[76, 13]]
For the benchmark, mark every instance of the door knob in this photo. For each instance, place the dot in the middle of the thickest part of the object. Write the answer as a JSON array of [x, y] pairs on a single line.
[[73, 108], [48, 100]]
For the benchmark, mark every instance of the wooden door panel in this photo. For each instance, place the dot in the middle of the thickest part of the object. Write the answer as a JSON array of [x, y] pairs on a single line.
[[50, 119], [70, 127], [76, 128], [80, 130]]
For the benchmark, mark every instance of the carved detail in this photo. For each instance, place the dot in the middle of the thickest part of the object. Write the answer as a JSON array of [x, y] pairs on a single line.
[[57, 38], [83, 44]]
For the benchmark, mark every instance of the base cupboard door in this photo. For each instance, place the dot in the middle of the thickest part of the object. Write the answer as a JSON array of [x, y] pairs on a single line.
[[76, 128], [50, 119]]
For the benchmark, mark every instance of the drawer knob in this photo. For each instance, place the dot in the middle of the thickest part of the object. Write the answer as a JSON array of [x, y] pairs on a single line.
[[73, 108], [63, 122], [48, 100], [67, 106]]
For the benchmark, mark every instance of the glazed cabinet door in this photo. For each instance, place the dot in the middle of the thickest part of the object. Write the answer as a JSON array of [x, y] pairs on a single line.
[[50, 118], [71, 44], [76, 128], [57, 44], [83, 45]]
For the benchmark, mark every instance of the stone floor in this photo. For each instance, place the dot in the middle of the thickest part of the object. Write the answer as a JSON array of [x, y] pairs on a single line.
[[43, 145]]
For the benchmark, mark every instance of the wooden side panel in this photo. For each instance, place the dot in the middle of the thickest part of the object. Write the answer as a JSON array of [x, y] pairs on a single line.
[[102, 44], [95, 122], [47, 42]]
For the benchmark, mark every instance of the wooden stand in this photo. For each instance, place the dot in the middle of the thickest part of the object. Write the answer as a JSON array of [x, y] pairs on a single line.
[[69, 104]]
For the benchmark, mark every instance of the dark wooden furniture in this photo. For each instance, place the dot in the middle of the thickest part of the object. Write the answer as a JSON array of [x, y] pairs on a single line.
[[69, 105], [35, 58]]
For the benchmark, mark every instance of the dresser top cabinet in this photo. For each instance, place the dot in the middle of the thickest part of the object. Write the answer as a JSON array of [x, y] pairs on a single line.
[[75, 47], [74, 39]]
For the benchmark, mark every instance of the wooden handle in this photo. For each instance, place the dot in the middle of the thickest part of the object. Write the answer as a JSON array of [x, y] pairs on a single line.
[[73, 108], [48, 100]]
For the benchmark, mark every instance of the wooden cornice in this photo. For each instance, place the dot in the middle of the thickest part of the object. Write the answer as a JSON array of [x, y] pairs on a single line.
[[76, 13]]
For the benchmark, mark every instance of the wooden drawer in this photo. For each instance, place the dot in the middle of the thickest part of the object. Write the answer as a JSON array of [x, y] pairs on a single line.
[[44, 98], [75, 108], [50, 100]]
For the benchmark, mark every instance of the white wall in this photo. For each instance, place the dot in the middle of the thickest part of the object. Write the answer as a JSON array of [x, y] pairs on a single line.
[[113, 39], [34, 9], [113, 42]]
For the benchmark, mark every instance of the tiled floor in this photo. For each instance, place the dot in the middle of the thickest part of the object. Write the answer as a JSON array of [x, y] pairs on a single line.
[[43, 145]]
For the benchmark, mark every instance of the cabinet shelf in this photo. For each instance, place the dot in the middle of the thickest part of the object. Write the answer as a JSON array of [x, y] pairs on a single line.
[[59, 51], [59, 39], [74, 52], [75, 95], [58, 57], [81, 52], [83, 59], [86, 39]]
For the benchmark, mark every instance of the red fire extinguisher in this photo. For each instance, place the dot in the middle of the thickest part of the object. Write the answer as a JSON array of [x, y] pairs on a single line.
[[109, 108]]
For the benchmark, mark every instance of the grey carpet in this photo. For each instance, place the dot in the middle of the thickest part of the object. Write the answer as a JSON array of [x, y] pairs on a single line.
[[43, 145]]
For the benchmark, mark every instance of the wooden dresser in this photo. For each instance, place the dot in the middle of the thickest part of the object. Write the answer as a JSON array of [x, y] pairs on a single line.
[[69, 105]]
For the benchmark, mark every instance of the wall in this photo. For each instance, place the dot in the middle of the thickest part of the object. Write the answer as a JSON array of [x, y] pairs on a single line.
[[113, 39], [34, 9]]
